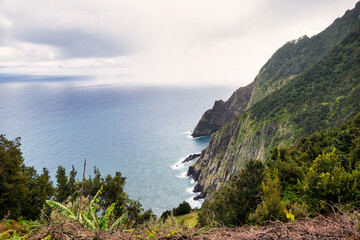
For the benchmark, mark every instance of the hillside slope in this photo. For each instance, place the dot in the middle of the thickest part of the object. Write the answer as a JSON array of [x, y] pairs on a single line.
[[325, 95], [289, 61]]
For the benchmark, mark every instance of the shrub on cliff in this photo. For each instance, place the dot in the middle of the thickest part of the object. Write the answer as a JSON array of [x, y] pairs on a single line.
[[271, 206], [183, 208], [235, 201]]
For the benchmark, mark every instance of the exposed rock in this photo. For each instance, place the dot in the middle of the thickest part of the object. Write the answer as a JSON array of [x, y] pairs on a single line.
[[191, 157], [213, 119], [200, 196], [193, 172]]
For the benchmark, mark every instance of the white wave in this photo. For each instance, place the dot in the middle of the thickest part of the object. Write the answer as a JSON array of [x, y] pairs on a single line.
[[198, 137], [195, 203], [182, 175], [192, 181], [190, 189], [187, 132], [189, 136], [178, 165]]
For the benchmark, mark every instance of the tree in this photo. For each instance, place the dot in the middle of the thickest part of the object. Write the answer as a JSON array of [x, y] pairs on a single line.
[[62, 187], [12, 180], [72, 180], [22, 191]]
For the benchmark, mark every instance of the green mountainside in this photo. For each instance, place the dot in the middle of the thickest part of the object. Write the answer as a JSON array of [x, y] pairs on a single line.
[[323, 96], [319, 171], [289, 61]]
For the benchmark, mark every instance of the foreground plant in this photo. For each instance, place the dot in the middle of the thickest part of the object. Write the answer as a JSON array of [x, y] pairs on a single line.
[[169, 228], [90, 217]]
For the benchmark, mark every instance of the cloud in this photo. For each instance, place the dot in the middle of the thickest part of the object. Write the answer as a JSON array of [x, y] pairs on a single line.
[[76, 43], [158, 41]]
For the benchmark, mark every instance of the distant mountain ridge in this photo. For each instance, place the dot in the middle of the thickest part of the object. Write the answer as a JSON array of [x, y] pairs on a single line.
[[290, 60], [308, 85]]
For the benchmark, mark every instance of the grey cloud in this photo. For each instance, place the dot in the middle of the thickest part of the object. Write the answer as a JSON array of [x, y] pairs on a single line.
[[77, 43]]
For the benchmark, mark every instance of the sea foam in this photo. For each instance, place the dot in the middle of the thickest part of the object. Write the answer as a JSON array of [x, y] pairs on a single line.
[[195, 203], [187, 132], [178, 165], [182, 175], [190, 189]]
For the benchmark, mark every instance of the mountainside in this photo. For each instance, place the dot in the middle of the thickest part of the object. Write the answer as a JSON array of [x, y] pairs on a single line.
[[324, 95], [289, 61]]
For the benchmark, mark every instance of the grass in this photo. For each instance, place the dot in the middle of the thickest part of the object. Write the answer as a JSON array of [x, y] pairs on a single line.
[[190, 219]]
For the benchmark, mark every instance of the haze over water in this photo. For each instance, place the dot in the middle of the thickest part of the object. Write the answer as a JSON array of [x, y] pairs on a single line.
[[143, 132]]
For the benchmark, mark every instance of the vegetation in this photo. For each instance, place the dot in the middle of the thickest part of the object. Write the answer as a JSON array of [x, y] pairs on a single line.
[[88, 214], [182, 209], [319, 171], [24, 195], [190, 219], [22, 191], [232, 205]]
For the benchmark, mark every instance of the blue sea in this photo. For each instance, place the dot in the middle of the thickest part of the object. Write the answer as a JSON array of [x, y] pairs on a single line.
[[141, 131]]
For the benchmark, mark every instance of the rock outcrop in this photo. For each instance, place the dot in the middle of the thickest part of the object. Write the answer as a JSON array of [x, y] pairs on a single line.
[[213, 119], [191, 157]]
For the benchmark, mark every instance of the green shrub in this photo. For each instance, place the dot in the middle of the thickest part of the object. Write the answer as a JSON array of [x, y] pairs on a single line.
[[182, 209], [235, 201], [271, 207], [327, 181]]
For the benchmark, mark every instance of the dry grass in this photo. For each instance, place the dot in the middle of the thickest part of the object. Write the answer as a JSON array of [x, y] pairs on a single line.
[[336, 226]]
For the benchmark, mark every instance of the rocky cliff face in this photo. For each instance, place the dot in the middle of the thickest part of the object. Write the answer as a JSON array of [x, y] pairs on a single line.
[[308, 85], [294, 58]]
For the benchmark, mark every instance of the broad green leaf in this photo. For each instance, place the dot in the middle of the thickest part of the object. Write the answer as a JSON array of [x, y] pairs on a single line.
[[109, 210], [103, 223], [64, 210], [87, 222], [92, 210]]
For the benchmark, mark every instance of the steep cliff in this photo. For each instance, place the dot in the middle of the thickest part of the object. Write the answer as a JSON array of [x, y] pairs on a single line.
[[324, 95], [292, 59], [213, 119]]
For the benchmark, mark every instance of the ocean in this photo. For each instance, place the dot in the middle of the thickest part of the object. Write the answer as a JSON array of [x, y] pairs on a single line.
[[141, 131]]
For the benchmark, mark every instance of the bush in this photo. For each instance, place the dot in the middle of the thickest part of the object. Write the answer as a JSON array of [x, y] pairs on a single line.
[[271, 207], [235, 201], [182, 209], [327, 181]]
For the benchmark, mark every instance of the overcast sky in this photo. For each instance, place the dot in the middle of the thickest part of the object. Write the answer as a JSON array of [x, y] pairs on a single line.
[[155, 41]]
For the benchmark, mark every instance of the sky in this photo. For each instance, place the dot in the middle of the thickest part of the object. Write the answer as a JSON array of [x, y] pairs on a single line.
[[172, 42]]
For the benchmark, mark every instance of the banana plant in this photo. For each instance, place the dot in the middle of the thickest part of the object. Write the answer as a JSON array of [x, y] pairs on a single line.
[[90, 219]]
